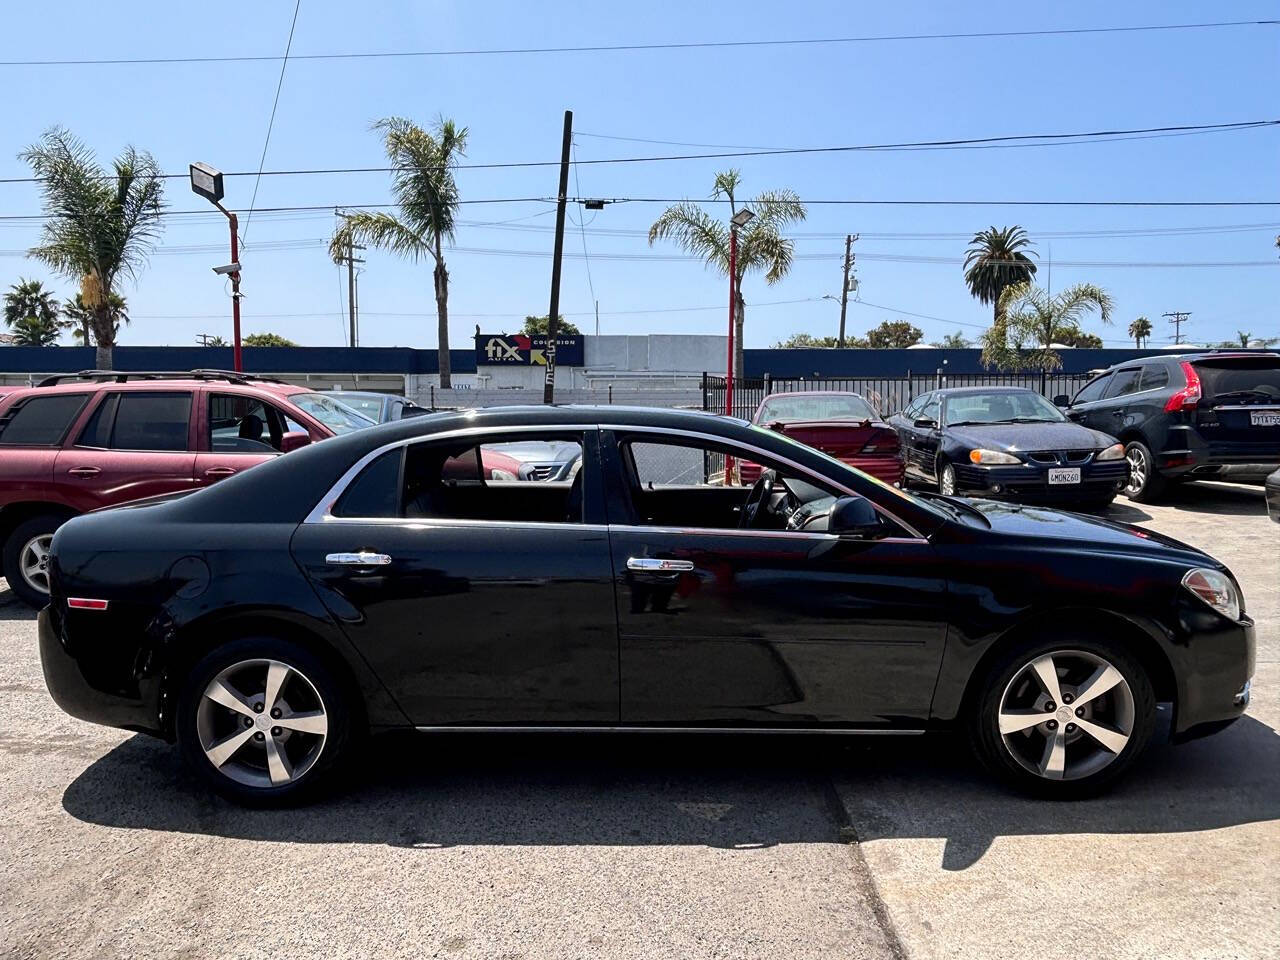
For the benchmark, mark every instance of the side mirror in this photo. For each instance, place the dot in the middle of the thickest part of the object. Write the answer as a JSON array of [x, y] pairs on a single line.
[[854, 517], [1062, 400], [926, 423], [293, 440]]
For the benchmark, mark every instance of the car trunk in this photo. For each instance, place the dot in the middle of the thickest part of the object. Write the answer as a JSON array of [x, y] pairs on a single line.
[[856, 442], [1239, 407]]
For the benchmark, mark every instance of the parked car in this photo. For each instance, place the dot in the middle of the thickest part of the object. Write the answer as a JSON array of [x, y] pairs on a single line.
[[838, 423], [1273, 496], [1187, 417], [378, 407], [1008, 443], [544, 461], [268, 622], [83, 441]]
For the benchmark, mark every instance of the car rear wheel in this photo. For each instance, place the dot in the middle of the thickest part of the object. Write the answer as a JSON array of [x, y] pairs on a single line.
[[26, 558], [946, 479], [1063, 718], [1145, 483], [264, 722]]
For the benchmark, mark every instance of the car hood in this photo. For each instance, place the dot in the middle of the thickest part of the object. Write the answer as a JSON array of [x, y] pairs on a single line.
[[1019, 520], [1010, 437]]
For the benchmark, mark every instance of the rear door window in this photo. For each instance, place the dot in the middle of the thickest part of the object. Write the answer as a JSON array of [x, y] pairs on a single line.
[[1154, 377], [41, 421], [148, 421], [1124, 381]]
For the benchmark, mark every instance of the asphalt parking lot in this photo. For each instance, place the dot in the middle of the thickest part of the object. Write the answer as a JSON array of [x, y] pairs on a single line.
[[652, 847]]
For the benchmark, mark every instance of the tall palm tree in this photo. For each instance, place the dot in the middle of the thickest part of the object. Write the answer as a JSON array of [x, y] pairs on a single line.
[[80, 317], [426, 192], [1245, 337], [1031, 315], [761, 245], [101, 226], [28, 300], [1140, 330], [994, 262]]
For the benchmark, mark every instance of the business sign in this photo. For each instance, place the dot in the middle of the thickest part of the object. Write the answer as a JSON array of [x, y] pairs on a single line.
[[521, 350]]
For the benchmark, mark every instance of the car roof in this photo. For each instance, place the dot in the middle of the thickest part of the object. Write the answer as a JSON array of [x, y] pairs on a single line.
[[962, 391], [814, 393], [93, 386]]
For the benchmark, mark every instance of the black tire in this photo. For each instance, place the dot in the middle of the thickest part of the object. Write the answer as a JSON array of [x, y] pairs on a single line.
[[989, 744], [1152, 484], [337, 699], [38, 526], [1096, 503]]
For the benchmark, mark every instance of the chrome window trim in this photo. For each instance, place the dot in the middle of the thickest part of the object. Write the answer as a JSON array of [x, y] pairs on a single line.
[[734, 532], [322, 512]]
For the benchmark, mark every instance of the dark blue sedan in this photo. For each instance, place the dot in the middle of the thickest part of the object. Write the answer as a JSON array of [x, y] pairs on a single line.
[[1008, 443]]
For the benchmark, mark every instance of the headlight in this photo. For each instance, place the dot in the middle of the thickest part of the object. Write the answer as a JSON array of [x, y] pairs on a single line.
[[991, 456], [1113, 452], [1215, 589], [497, 473]]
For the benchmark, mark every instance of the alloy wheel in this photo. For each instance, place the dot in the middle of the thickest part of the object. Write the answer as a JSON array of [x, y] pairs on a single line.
[[1138, 469], [33, 561], [1066, 715], [947, 480], [262, 723]]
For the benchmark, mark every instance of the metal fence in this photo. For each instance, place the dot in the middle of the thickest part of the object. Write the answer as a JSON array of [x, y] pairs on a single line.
[[887, 394]]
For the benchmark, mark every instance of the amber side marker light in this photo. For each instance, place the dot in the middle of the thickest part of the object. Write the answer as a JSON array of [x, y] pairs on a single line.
[[85, 603]]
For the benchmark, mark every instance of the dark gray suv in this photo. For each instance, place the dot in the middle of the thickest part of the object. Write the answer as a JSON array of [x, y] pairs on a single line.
[[1187, 416]]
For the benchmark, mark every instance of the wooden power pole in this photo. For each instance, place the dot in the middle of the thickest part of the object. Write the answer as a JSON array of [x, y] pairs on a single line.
[[1178, 318], [549, 382]]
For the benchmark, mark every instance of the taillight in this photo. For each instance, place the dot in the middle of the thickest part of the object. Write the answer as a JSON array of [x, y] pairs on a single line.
[[1188, 396]]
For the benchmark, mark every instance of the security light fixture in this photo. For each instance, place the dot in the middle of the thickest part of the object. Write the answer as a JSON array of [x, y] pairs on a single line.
[[742, 217], [593, 204], [207, 182]]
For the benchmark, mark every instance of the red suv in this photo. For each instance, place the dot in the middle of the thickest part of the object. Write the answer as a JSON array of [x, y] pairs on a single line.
[[81, 441]]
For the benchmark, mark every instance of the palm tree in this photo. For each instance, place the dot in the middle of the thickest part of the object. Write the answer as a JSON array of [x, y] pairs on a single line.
[[80, 317], [32, 313], [994, 262], [1031, 315], [100, 225], [1140, 330], [761, 245], [953, 341], [1244, 337], [426, 192]]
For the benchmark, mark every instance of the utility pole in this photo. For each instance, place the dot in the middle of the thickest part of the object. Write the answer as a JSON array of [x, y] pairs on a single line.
[[844, 287], [204, 338], [350, 260], [1178, 318], [549, 382]]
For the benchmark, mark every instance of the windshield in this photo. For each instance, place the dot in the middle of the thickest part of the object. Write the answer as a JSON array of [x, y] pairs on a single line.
[[817, 406], [1005, 407], [371, 407], [336, 416]]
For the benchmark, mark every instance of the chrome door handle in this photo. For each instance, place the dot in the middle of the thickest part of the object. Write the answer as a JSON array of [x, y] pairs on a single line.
[[220, 471], [362, 558], [654, 565]]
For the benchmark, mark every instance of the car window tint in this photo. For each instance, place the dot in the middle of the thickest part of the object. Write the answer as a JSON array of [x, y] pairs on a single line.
[[41, 421], [376, 491], [151, 421], [1154, 376], [1093, 390], [97, 432], [1124, 381], [243, 424]]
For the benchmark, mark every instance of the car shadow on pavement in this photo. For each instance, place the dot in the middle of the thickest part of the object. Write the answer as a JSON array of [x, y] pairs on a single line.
[[726, 792], [1221, 499], [11, 608]]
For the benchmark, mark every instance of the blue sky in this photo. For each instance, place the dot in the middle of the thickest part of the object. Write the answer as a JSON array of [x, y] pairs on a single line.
[[767, 97]]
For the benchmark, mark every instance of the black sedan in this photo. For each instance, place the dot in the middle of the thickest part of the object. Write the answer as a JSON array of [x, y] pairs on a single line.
[[381, 580], [1008, 443]]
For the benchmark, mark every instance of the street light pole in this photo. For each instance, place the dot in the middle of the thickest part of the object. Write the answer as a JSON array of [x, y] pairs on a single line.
[[207, 182], [733, 302]]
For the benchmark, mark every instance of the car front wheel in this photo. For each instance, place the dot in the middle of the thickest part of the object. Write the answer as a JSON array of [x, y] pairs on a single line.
[[264, 722], [1063, 718]]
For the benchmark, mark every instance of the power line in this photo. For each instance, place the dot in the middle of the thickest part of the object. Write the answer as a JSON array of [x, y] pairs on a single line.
[[272, 122], [1043, 139], [635, 47], [582, 229]]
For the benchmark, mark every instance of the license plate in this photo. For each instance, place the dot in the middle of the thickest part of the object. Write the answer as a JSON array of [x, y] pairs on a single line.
[[1064, 475], [1264, 418]]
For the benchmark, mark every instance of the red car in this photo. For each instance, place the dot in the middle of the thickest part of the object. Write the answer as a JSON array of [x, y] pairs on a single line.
[[842, 425], [82, 441]]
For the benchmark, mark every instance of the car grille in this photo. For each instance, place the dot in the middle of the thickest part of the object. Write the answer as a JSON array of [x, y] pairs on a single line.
[[1054, 457], [543, 471]]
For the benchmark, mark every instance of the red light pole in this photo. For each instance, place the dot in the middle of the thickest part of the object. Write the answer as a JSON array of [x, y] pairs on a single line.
[[207, 182], [739, 219]]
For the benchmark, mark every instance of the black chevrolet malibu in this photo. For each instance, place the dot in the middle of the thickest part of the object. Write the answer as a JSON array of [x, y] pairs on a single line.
[[381, 580], [1008, 443]]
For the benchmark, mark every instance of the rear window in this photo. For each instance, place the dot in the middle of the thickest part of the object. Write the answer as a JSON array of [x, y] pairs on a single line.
[[1244, 379], [1154, 377], [41, 421]]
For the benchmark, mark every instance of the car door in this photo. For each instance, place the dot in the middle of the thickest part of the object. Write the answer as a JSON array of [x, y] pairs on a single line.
[[1113, 414], [135, 444], [477, 602], [763, 628], [1087, 404], [928, 436], [236, 431], [905, 424]]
